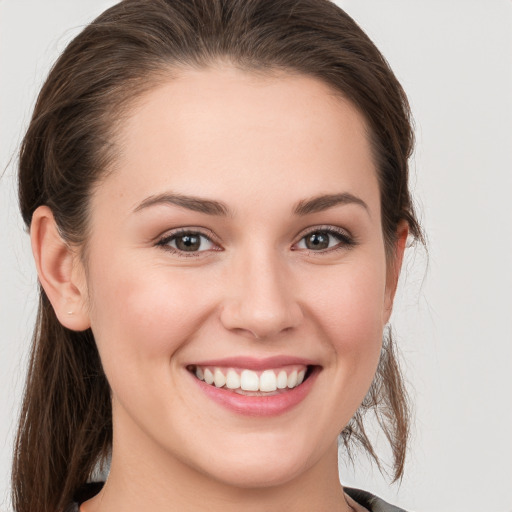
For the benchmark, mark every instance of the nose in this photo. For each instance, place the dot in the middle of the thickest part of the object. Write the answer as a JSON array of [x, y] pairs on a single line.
[[260, 298]]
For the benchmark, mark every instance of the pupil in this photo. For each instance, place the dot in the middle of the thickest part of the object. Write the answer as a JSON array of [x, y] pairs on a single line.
[[317, 241], [188, 242]]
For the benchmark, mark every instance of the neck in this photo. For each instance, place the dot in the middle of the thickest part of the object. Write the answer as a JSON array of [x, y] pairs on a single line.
[[145, 477]]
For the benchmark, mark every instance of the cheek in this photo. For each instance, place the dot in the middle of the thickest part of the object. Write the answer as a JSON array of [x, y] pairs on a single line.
[[142, 317], [352, 302], [346, 306], [349, 306]]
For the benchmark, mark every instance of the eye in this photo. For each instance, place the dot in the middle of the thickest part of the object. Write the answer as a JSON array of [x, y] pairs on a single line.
[[187, 242], [325, 239]]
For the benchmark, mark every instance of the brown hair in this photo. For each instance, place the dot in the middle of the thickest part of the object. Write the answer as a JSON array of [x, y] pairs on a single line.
[[65, 425]]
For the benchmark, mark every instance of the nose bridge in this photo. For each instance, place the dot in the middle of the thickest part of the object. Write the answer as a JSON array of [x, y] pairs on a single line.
[[261, 299]]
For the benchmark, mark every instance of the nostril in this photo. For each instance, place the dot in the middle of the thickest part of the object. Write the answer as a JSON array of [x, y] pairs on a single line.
[[259, 316]]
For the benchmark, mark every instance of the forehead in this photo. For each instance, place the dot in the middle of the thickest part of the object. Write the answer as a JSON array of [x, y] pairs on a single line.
[[221, 131]]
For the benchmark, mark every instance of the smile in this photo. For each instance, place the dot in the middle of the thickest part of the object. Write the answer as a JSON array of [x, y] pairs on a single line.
[[250, 382], [255, 387]]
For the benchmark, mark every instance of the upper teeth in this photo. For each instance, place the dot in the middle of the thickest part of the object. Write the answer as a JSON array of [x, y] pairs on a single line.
[[249, 380]]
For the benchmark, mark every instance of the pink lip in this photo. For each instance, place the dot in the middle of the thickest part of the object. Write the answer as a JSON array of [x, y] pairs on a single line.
[[252, 363], [272, 405]]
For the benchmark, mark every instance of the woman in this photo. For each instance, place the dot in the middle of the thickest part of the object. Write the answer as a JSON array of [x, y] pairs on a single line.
[[218, 205]]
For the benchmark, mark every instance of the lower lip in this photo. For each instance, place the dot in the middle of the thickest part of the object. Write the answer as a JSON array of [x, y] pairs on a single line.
[[271, 405]]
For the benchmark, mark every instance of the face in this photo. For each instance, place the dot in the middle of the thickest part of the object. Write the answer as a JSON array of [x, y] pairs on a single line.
[[236, 276]]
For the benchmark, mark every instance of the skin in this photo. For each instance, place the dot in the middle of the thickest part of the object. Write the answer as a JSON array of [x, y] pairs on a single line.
[[260, 145]]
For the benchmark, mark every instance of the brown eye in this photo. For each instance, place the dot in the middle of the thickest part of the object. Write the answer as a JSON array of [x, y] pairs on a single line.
[[325, 239], [318, 240], [188, 242]]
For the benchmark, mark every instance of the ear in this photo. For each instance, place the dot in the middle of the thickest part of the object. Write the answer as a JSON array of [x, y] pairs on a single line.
[[60, 271], [394, 267]]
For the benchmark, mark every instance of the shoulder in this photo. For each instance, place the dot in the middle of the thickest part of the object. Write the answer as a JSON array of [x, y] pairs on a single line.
[[370, 501]]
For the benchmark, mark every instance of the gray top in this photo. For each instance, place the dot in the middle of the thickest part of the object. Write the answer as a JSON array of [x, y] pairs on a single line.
[[365, 499], [371, 502]]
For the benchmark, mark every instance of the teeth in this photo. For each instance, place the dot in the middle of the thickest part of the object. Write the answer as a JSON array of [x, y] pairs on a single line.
[[292, 379], [267, 381], [219, 378], [232, 379], [282, 380], [249, 381], [208, 376]]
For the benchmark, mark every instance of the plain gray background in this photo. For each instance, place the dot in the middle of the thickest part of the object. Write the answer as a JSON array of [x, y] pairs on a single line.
[[452, 319]]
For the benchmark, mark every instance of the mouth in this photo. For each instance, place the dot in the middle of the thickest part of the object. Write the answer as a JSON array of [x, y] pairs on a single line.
[[250, 382]]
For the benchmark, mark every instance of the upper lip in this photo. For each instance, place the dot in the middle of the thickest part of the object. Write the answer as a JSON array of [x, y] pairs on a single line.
[[254, 363]]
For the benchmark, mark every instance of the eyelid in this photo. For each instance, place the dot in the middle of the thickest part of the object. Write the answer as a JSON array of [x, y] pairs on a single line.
[[188, 229], [325, 227]]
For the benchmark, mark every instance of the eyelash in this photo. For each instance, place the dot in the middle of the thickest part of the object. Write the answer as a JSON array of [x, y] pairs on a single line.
[[345, 241], [164, 242]]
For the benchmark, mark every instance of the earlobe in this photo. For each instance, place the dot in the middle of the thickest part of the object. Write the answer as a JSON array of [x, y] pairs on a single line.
[[394, 267], [59, 271]]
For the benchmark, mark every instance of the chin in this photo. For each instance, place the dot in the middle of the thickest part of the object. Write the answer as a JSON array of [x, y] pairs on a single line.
[[260, 474], [260, 461]]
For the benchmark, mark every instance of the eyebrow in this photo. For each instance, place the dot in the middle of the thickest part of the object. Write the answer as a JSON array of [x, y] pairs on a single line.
[[212, 207], [324, 202], [196, 204]]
